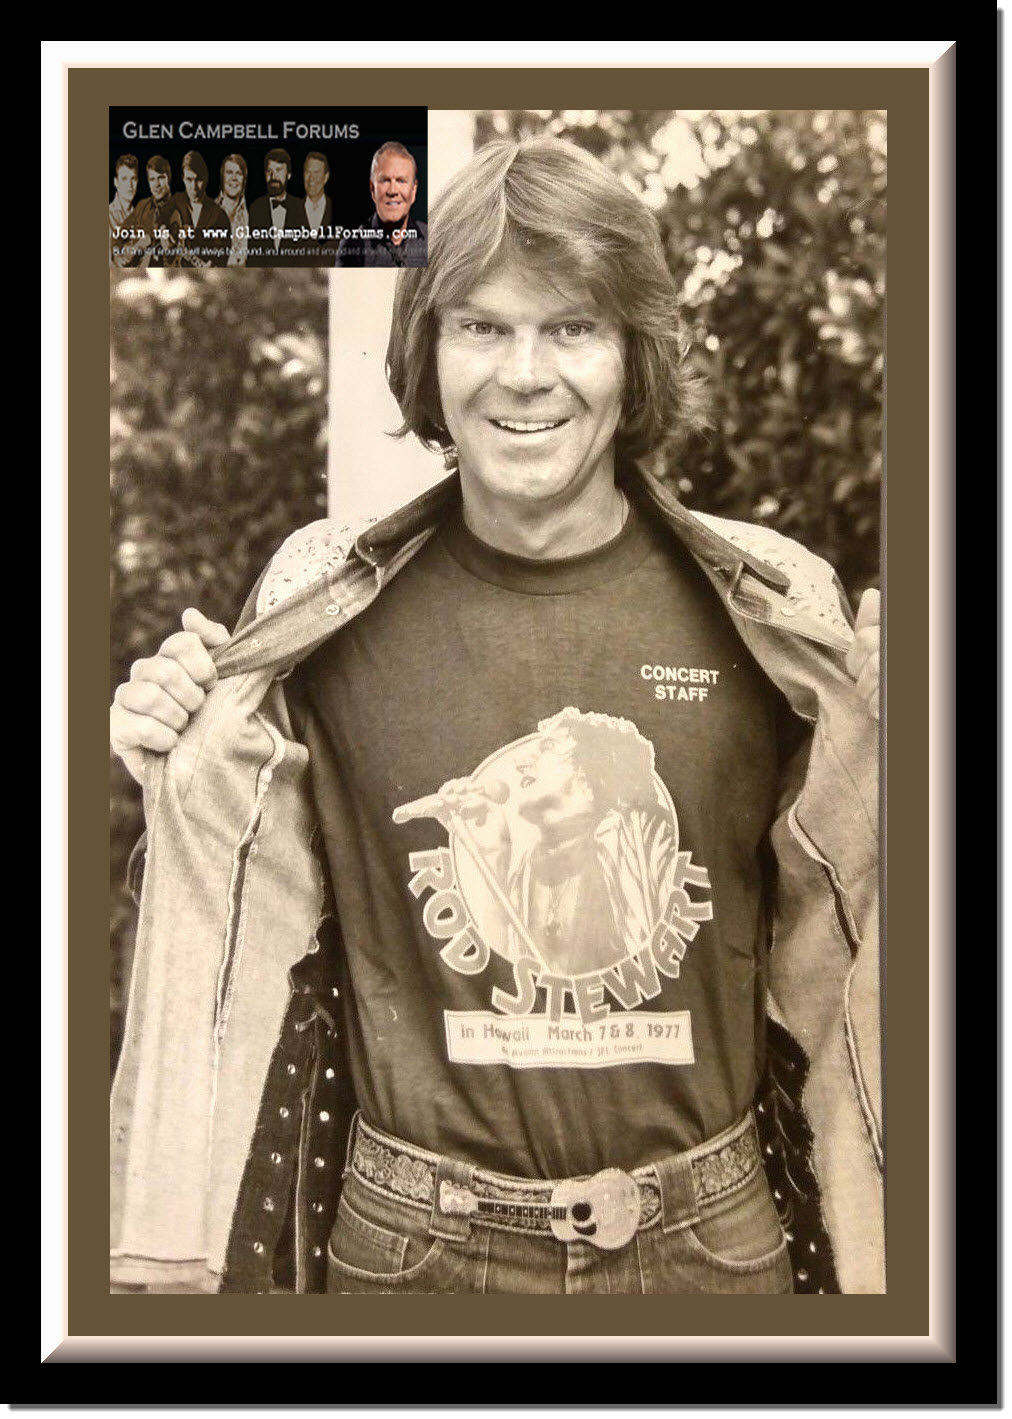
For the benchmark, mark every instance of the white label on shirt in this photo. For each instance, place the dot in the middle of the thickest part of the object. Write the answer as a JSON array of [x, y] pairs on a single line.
[[534, 1042]]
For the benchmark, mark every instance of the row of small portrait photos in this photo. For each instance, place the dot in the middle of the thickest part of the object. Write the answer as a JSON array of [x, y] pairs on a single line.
[[280, 227]]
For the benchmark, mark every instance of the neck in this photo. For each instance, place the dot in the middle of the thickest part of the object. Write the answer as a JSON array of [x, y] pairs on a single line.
[[561, 842], [546, 532]]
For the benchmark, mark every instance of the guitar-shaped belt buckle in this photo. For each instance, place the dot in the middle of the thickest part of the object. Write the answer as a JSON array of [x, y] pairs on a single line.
[[603, 1210]]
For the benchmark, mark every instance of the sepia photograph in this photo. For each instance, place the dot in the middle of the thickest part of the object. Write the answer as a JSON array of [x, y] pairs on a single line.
[[522, 529], [495, 711]]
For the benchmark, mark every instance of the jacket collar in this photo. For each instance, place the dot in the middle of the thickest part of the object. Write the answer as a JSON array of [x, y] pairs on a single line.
[[708, 545], [381, 542], [284, 635]]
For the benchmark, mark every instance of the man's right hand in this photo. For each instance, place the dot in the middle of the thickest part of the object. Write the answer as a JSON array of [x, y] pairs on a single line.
[[481, 816], [152, 708]]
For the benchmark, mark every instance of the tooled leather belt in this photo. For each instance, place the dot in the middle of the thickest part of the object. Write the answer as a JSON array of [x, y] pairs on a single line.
[[605, 1209]]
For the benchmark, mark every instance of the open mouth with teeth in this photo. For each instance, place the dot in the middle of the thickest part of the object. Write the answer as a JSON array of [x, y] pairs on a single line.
[[528, 426]]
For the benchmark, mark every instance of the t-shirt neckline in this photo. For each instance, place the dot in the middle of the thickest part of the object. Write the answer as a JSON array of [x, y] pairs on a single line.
[[553, 576]]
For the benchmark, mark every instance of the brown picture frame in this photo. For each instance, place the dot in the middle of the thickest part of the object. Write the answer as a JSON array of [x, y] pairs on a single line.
[[912, 1321]]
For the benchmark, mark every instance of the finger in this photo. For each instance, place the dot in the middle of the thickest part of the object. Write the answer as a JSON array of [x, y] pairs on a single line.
[[868, 680], [864, 644], [145, 698], [455, 789], [189, 650], [170, 675], [212, 633], [868, 612], [140, 732], [869, 693], [868, 685]]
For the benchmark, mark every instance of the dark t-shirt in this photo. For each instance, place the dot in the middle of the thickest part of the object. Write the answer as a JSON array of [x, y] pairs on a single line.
[[556, 966]]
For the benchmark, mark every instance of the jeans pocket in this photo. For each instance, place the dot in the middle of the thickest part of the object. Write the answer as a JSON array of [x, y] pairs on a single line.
[[742, 1235], [380, 1250]]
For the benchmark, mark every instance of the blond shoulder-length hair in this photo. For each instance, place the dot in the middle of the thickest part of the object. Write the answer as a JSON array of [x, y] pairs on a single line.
[[551, 205]]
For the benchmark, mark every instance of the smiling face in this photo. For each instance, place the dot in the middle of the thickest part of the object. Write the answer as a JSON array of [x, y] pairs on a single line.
[[232, 180], [277, 178], [126, 184], [531, 379], [393, 186], [158, 182], [315, 176]]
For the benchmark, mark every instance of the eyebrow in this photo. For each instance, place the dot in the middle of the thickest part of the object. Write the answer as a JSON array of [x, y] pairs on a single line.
[[578, 311]]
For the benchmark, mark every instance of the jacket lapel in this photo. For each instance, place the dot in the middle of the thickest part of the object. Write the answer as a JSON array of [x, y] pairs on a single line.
[[748, 583]]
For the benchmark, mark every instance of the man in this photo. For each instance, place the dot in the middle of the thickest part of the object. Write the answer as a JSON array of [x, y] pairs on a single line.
[[587, 891], [156, 218], [121, 211], [278, 220], [321, 246], [205, 233], [576, 1116], [389, 237], [232, 201]]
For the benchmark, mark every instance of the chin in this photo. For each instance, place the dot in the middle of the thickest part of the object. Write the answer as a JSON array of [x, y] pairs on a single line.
[[544, 488]]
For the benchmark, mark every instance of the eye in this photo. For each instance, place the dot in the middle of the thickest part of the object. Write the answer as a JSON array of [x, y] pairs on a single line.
[[482, 329], [574, 329]]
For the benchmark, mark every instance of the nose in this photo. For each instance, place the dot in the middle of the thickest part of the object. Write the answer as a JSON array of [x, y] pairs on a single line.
[[526, 364]]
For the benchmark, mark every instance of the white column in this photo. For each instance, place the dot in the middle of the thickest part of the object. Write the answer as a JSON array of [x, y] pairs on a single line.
[[367, 471]]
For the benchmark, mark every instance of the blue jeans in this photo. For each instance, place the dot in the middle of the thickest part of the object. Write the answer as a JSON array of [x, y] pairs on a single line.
[[731, 1246]]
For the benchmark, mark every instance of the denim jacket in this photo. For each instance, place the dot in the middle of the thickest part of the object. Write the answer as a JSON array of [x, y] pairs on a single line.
[[230, 1104]]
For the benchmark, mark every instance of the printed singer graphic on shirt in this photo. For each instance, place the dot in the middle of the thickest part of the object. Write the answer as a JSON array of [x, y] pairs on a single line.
[[564, 859]]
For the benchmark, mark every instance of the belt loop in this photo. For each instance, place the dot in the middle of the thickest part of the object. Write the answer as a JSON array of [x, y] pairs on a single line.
[[679, 1207], [454, 1177]]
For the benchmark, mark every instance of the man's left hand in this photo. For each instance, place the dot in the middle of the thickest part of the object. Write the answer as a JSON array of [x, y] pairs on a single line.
[[863, 656]]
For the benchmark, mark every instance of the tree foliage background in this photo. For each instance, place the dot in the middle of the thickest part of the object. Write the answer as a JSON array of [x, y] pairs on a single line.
[[218, 450], [774, 227]]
